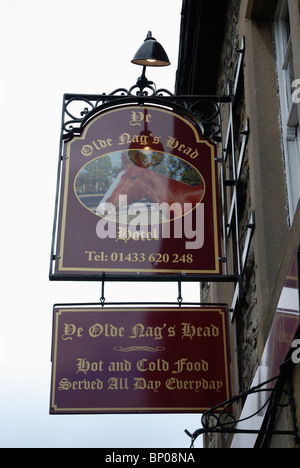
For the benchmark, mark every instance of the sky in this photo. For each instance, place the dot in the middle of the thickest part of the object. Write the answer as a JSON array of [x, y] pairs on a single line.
[[48, 48]]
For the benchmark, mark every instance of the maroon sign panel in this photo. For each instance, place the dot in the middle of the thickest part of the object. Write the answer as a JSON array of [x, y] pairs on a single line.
[[133, 360], [138, 194]]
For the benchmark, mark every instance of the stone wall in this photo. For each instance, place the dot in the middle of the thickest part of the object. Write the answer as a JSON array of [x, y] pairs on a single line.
[[261, 189], [231, 45], [246, 325], [247, 321]]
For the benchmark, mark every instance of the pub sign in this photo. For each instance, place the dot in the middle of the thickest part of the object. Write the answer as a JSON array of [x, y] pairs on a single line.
[[139, 360], [138, 193]]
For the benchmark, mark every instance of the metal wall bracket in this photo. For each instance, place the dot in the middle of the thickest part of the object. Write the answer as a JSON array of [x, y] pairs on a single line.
[[250, 230], [233, 159], [221, 420]]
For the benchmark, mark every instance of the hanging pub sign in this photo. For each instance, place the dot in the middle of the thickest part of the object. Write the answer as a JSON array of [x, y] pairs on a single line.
[[138, 194], [139, 360]]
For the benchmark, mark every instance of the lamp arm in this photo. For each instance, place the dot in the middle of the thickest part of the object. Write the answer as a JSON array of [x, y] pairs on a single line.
[[142, 81]]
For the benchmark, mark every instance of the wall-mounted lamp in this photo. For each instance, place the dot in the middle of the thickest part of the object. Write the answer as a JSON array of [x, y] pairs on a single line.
[[150, 54]]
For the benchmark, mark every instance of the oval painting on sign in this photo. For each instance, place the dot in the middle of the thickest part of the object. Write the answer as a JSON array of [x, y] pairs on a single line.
[[136, 182]]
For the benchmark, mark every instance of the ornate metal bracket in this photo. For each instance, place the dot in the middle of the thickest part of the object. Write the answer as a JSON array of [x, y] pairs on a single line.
[[78, 108], [217, 421]]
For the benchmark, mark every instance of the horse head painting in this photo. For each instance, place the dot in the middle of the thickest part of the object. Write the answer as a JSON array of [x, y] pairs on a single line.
[[140, 183]]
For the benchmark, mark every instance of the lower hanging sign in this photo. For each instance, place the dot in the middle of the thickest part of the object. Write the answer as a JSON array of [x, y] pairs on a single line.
[[139, 360]]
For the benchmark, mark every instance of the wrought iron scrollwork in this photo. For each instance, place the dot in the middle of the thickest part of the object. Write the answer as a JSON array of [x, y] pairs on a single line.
[[205, 109], [78, 107], [76, 116], [221, 420], [208, 112]]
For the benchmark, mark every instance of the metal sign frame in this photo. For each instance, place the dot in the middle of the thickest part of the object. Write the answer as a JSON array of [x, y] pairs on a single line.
[[206, 112], [185, 239]]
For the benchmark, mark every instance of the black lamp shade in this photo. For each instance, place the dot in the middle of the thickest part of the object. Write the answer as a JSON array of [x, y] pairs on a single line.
[[151, 53]]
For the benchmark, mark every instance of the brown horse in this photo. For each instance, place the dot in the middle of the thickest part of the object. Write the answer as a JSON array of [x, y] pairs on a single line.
[[140, 183]]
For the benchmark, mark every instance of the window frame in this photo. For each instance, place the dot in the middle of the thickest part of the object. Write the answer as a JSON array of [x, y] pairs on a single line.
[[288, 109]]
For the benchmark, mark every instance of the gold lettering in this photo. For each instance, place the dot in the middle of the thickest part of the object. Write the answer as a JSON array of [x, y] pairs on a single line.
[[124, 139], [70, 330], [174, 144], [108, 330], [143, 384], [190, 331], [138, 117], [195, 385], [125, 235], [83, 365], [160, 365], [65, 385], [185, 365], [124, 366], [140, 331], [194, 155], [87, 150], [102, 144], [90, 254], [116, 383]]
